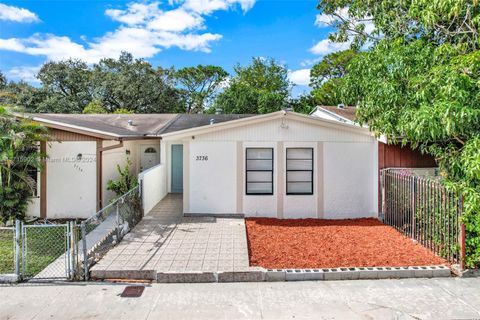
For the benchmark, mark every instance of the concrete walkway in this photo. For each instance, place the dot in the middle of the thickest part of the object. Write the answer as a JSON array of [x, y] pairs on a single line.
[[449, 298], [168, 247]]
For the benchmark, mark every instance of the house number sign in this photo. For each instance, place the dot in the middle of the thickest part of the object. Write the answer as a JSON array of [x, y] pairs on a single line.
[[201, 158]]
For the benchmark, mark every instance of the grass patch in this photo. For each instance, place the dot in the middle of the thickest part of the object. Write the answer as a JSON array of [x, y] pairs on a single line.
[[7, 256], [43, 246]]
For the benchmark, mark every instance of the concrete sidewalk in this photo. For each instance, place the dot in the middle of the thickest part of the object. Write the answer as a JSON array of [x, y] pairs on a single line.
[[449, 298]]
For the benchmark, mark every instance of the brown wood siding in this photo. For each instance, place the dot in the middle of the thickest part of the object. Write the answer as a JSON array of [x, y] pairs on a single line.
[[62, 135], [395, 156]]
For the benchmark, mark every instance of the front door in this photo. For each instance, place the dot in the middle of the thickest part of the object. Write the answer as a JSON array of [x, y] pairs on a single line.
[[148, 156], [177, 168]]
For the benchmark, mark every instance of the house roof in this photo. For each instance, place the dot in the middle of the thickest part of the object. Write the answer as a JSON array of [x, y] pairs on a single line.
[[261, 118], [107, 125], [346, 112], [143, 126], [116, 126], [188, 121]]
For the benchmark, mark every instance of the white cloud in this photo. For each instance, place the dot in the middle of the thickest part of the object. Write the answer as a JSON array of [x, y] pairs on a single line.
[[27, 74], [16, 14], [300, 77], [145, 29], [136, 13], [209, 6], [325, 46], [176, 20]]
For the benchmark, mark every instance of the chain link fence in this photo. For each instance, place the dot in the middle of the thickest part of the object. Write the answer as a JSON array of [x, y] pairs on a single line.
[[106, 228], [47, 251], [66, 251]]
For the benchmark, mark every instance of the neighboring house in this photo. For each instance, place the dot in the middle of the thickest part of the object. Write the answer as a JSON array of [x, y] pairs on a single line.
[[282, 164]]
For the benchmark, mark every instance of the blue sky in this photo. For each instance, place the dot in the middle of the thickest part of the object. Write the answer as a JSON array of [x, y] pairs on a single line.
[[173, 32]]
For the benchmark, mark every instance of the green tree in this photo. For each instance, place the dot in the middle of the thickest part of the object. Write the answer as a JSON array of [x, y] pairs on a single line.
[[94, 107], [67, 85], [3, 81], [26, 96], [326, 78], [199, 85], [260, 87], [18, 155], [421, 82], [125, 182], [303, 104], [133, 84]]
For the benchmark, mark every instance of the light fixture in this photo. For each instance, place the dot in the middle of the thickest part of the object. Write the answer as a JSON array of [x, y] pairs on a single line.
[[79, 157], [127, 151]]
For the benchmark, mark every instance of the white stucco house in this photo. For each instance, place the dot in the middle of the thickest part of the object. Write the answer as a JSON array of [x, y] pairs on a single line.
[[281, 165]]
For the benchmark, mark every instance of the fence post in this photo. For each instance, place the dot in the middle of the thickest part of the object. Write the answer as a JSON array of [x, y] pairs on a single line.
[[414, 207], [382, 193], [462, 237], [18, 251], [84, 250], [117, 212], [71, 258]]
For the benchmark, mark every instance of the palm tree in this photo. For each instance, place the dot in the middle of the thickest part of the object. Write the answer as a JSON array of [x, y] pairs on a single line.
[[19, 155]]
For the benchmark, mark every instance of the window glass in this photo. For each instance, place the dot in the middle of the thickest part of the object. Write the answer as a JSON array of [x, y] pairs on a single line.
[[259, 171], [299, 171]]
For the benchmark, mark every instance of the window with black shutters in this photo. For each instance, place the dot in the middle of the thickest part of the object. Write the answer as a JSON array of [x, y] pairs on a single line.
[[259, 171], [299, 171]]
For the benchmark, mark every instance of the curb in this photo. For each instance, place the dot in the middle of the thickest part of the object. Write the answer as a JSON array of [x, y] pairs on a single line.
[[357, 273], [255, 274], [9, 278]]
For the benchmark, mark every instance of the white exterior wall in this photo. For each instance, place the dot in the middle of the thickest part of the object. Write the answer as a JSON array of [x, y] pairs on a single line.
[[350, 180], [212, 182], [345, 175], [154, 186], [71, 191]]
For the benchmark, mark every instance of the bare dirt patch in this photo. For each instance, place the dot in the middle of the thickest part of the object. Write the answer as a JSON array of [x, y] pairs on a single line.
[[313, 243]]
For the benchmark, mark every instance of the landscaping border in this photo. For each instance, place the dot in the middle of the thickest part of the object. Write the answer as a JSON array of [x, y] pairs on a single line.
[[258, 274]]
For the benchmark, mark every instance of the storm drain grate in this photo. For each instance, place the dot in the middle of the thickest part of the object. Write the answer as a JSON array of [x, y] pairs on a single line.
[[132, 292]]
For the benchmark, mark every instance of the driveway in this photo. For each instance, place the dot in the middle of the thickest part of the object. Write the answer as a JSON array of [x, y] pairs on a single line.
[[450, 298]]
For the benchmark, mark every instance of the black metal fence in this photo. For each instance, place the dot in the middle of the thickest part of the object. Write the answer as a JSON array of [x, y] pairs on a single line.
[[422, 208]]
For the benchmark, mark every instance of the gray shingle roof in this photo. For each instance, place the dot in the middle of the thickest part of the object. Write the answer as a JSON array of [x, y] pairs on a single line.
[[188, 121], [116, 124], [141, 124]]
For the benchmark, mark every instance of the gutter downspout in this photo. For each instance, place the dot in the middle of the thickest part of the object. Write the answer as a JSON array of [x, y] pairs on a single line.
[[99, 155]]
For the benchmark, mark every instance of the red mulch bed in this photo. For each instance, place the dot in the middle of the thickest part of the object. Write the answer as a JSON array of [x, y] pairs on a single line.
[[313, 243]]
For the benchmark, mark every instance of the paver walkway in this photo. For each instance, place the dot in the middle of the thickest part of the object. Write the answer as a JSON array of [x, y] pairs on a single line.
[[166, 242]]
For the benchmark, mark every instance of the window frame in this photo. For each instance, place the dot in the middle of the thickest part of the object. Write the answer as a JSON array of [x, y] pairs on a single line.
[[295, 170], [247, 170]]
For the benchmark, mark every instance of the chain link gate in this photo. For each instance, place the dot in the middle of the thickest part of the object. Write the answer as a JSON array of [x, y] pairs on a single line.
[[50, 251]]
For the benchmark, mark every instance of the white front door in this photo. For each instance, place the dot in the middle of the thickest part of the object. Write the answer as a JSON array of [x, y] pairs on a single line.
[[149, 156]]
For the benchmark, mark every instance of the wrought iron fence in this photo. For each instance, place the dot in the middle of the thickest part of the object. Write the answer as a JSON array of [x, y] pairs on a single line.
[[108, 226], [422, 208]]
